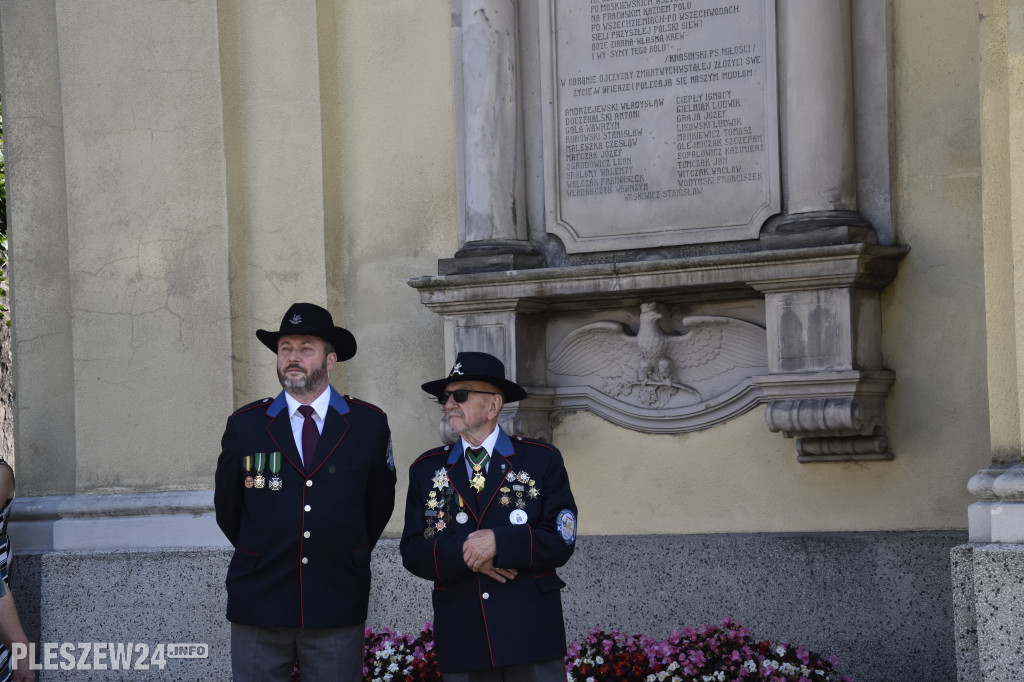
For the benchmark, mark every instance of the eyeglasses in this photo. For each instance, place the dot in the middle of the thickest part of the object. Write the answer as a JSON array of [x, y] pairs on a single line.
[[461, 395]]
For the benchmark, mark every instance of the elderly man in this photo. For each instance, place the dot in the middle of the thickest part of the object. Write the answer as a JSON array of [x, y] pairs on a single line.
[[489, 519], [305, 485]]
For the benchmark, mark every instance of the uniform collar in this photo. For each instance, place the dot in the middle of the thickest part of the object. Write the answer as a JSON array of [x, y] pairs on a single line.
[[502, 445], [337, 401]]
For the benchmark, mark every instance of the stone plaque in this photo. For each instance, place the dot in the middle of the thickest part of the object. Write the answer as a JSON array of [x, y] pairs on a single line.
[[662, 127]]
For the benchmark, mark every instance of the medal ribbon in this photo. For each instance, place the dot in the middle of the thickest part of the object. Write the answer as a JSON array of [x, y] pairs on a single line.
[[247, 463], [477, 457], [275, 463], [260, 462]]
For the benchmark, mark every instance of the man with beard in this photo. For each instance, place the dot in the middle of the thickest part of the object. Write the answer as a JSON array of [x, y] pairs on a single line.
[[305, 484], [488, 520]]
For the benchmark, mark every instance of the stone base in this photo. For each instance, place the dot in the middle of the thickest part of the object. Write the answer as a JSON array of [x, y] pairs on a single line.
[[988, 588], [488, 263], [880, 601]]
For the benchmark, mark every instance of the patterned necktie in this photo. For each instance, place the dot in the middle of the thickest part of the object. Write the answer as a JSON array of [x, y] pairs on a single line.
[[310, 436]]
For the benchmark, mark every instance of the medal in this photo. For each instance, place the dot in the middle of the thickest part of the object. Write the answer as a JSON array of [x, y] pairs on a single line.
[[258, 481], [440, 479], [247, 465], [478, 459], [517, 517], [462, 517], [428, 532], [275, 469]]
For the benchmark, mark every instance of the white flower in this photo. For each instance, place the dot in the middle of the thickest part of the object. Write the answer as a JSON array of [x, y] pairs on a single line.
[[393, 668], [662, 675], [590, 679], [674, 665], [750, 665], [652, 678], [599, 660], [780, 650]]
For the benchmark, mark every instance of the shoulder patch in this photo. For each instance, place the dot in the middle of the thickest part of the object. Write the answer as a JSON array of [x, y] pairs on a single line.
[[566, 523], [391, 456]]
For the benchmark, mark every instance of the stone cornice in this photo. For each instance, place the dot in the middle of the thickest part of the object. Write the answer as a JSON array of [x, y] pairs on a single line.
[[714, 276]]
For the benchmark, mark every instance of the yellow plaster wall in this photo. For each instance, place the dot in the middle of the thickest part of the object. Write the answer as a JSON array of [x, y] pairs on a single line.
[[396, 202]]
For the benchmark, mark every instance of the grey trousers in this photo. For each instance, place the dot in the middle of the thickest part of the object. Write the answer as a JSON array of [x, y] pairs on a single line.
[[260, 654], [545, 671]]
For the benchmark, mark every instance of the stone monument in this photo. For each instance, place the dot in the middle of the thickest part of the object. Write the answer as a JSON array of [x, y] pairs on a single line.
[[666, 217]]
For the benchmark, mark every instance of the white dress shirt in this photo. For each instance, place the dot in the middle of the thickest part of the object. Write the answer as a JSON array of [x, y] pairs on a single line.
[[319, 412]]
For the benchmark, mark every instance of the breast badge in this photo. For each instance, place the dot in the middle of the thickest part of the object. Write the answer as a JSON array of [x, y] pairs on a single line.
[[439, 506]]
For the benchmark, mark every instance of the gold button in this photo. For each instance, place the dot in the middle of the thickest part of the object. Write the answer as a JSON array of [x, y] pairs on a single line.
[[305, 560], [306, 534], [307, 507], [309, 483]]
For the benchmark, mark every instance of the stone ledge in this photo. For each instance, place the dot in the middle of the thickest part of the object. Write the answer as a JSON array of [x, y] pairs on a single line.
[[115, 522]]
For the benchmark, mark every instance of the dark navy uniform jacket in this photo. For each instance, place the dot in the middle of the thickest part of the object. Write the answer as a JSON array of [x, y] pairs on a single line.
[[302, 553], [480, 623]]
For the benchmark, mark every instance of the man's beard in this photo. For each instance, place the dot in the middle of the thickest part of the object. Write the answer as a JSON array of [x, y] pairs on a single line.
[[465, 427], [305, 382]]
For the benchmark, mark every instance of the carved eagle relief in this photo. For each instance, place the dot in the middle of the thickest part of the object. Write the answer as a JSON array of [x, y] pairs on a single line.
[[651, 365]]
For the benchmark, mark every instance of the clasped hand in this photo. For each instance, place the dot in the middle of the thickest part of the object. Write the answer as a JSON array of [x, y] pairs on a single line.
[[479, 550]]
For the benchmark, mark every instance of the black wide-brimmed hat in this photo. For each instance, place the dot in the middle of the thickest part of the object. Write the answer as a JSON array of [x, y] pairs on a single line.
[[308, 319], [478, 367]]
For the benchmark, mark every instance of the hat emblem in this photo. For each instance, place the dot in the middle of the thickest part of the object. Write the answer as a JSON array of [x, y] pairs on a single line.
[[457, 369], [295, 319]]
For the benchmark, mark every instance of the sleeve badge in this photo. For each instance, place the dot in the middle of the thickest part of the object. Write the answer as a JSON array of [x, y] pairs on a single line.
[[566, 523]]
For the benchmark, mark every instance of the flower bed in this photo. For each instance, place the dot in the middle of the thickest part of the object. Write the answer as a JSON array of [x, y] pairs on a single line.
[[704, 654], [709, 653]]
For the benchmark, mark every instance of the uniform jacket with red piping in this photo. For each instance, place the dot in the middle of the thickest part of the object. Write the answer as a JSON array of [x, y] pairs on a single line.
[[480, 623], [302, 553]]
